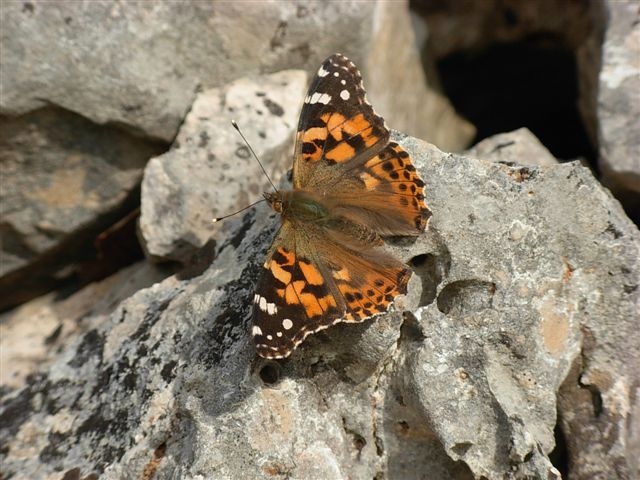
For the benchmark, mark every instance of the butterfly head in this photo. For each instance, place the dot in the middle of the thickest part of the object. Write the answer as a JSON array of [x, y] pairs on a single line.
[[276, 200]]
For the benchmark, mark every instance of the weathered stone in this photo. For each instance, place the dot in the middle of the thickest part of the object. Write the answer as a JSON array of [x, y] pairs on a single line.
[[33, 334], [63, 179], [526, 283], [210, 171], [458, 26], [141, 64], [619, 99], [520, 147]]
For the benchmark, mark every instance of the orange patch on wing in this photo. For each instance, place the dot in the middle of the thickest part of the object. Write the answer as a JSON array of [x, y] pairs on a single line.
[[333, 121], [370, 182], [311, 273], [341, 152], [289, 256], [316, 133], [292, 292], [356, 124], [313, 306], [280, 273], [342, 274], [315, 156], [327, 301]]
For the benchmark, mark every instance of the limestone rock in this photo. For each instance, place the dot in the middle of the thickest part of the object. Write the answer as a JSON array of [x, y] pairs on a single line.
[[526, 285], [141, 64], [210, 171], [63, 179], [619, 99], [520, 147]]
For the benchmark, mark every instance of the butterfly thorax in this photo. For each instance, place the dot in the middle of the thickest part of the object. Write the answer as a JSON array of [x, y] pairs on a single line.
[[297, 205]]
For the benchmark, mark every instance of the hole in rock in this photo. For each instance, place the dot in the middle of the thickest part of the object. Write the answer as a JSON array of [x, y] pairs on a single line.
[[270, 373], [531, 83], [431, 269], [559, 456], [466, 296]]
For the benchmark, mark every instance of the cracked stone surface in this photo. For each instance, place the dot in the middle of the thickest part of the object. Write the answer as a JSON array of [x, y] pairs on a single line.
[[141, 64], [521, 314], [266, 108], [619, 98]]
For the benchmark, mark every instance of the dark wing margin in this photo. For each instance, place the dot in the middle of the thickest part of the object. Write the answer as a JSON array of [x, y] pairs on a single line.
[[337, 124]]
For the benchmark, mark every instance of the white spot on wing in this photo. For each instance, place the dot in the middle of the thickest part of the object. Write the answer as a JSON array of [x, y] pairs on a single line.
[[318, 97], [278, 334], [287, 324], [322, 72], [256, 330], [344, 95], [269, 337]]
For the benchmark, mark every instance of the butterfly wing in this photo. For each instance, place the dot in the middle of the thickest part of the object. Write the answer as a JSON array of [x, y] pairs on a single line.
[[312, 280], [336, 124], [343, 152]]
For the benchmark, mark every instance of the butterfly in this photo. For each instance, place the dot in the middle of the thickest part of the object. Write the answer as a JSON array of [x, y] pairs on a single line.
[[351, 187]]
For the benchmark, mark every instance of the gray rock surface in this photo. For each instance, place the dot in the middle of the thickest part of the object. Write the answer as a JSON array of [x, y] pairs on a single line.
[[619, 99], [141, 64], [63, 178], [179, 198], [525, 286], [33, 334], [519, 147], [458, 26]]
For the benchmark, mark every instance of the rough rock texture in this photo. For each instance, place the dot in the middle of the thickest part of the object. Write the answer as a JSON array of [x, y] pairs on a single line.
[[62, 178], [519, 147], [603, 37], [141, 63], [266, 108], [619, 99], [455, 26], [526, 285], [33, 335]]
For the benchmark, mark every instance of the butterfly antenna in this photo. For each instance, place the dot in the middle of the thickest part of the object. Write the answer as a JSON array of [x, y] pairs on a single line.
[[235, 125], [217, 219]]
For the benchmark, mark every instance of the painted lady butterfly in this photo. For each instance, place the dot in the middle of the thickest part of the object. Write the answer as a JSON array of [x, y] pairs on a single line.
[[350, 187]]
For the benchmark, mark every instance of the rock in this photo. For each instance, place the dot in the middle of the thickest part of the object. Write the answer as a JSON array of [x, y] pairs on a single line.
[[525, 286], [64, 180], [141, 64], [619, 100], [33, 334], [210, 171], [520, 147], [455, 26]]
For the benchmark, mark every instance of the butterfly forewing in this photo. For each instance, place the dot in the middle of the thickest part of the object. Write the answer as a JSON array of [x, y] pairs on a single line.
[[336, 123]]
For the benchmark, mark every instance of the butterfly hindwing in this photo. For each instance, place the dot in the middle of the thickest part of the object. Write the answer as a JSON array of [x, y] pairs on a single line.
[[301, 291], [293, 298]]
